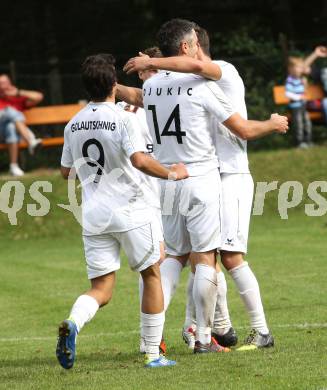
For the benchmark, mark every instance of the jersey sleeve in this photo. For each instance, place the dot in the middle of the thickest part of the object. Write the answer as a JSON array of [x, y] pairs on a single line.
[[215, 101], [66, 157], [228, 72], [132, 140]]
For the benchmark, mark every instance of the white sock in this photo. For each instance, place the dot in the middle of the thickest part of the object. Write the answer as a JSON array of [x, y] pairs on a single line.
[[190, 316], [170, 270], [204, 295], [152, 325], [221, 322], [83, 310], [248, 288]]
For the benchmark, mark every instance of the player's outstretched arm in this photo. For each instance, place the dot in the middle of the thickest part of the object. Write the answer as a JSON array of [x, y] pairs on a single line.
[[183, 64], [319, 52], [152, 167], [130, 95], [250, 129]]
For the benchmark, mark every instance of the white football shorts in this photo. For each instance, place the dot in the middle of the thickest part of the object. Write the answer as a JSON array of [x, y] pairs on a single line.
[[141, 245], [158, 223], [191, 214], [237, 196]]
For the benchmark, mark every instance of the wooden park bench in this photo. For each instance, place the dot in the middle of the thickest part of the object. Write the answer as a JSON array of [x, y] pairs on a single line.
[[50, 115], [313, 92]]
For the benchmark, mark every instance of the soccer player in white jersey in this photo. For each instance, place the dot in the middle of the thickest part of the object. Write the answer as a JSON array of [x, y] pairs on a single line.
[[179, 110], [237, 188], [103, 144], [149, 184]]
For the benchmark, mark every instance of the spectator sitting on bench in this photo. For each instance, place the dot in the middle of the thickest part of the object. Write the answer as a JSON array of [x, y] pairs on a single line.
[[295, 89], [13, 102]]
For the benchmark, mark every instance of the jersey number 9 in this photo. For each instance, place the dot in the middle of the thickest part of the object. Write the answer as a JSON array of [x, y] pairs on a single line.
[[99, 162]]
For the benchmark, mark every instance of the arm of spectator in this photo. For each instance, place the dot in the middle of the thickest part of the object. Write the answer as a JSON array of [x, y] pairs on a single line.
[[32, 97], [130, 95], [294, 96], [319, 52], [182, 64]]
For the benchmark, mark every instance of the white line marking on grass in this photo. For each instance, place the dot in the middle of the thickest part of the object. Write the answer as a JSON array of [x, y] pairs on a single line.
[[306, 325]]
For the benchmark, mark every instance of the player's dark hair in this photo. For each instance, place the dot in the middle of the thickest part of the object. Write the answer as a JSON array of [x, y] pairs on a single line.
[[153, 52], [99, 76], [203, 39], [171, 34]]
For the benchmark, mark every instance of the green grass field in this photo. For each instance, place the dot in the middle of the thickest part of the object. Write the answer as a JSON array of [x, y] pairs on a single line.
[[42, 271]]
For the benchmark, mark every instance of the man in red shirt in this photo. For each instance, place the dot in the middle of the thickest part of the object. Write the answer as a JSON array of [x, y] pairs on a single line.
[[13, 102]]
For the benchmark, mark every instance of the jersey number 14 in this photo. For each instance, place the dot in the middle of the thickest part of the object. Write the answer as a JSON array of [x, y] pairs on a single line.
[[174, 117]]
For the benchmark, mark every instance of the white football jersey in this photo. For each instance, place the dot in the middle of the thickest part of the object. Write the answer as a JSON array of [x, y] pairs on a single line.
[[179, 109], [150, 184], [231, 150], [99, 141]]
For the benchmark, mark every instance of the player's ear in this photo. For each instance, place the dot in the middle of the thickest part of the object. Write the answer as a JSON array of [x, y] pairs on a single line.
[[183, 48], [114, 88]]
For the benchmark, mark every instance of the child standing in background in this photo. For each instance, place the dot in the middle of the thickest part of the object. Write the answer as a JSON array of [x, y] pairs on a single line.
[[295, 89]]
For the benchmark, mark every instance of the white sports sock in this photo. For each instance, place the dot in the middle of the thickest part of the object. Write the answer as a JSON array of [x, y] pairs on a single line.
[[170, 270], [152, 325], [190, 316], [83, 310], [248, 288], [221, 322], [204, 295]]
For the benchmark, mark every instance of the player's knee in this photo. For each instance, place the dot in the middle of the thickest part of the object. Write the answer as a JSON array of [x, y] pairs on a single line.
[[11, 133], [162, 255], [151, 272], [231, 260]]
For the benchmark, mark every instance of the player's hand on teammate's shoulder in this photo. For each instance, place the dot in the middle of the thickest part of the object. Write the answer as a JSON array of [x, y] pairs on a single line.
[[137, 64], [280, 122], [178, 172]]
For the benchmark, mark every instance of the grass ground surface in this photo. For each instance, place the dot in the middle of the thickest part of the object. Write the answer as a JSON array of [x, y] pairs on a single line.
[[42, 272]]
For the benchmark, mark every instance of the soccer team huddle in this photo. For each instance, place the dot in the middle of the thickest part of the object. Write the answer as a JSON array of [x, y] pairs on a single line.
[[165, 177]]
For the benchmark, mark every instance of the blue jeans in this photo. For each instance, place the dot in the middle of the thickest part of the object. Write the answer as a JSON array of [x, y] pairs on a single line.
[[8, 132], [301, 125]]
